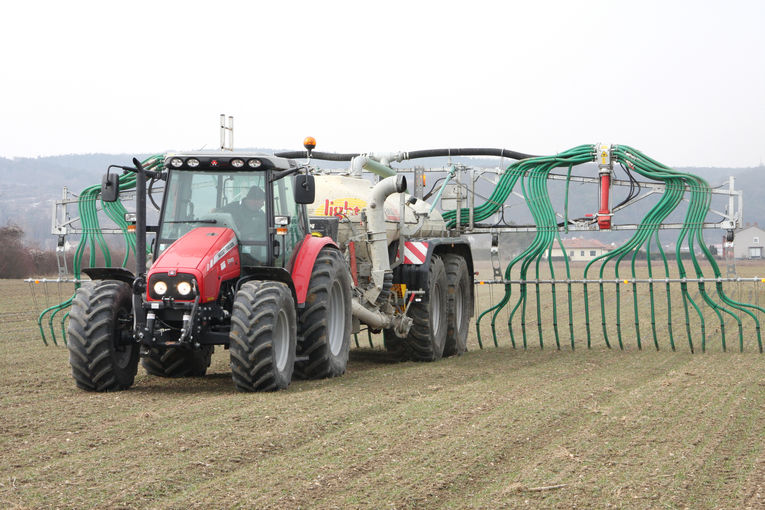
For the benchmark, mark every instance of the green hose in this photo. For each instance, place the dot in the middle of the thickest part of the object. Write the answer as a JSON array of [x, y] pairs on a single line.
[[532, 174], [92, 239]]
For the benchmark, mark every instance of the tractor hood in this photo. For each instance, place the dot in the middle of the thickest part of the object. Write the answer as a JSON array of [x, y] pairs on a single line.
[[209, 255]]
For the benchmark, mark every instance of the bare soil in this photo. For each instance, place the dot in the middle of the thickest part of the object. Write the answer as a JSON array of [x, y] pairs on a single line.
[[498, 427]]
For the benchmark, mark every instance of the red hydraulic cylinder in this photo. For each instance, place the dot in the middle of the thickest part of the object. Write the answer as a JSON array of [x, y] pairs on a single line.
[[354, 268], [604, 213]]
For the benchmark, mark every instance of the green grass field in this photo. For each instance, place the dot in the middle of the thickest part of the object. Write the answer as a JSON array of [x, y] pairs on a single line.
[[496, 427]]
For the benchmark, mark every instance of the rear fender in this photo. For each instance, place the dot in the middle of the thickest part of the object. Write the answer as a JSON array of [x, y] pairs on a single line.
[[301, 265]]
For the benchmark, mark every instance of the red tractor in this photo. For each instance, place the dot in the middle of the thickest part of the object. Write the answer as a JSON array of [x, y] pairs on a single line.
[[231, 269], [236, 265]]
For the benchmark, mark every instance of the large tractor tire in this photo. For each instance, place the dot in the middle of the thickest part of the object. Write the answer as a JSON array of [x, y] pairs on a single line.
[[427, 336], [101, 351], [263, 337], [324, 327], [177, 361], [458, 304]]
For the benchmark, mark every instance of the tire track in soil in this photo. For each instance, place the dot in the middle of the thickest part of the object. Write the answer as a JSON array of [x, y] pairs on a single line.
[[630, 460], [461, 425], [417, 371], [754, 497], [725, 441], [531, 461], [60, 462]]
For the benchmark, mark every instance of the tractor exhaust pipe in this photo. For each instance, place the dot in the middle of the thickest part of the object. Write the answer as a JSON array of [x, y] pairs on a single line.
[[139, 285], [376, 235], [140, 219]]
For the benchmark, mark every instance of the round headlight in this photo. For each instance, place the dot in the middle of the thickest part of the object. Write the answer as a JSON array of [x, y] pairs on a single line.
[[184, 288], [160, 288], [237, 163], [254, 163], [176, 162], [192, 162]]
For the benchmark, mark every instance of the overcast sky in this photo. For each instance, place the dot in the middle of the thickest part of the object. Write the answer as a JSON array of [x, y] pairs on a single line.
[[682, 81]]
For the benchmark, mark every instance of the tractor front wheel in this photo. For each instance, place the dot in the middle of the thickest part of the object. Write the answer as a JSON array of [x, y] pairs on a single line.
[[325, 322], [102, 352], [263, 336]]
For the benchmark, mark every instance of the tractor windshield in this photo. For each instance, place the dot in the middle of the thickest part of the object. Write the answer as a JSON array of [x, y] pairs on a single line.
[[235, 200]]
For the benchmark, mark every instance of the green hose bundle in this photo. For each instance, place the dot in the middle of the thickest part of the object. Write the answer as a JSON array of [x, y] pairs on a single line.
[[532, 174], [92, 239], [535, 171]]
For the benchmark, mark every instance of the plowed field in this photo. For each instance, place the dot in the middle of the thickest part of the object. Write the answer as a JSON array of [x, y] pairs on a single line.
[[496, 427]]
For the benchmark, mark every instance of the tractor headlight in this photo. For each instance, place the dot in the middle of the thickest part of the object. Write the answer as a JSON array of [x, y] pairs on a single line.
[[176, 162], [160, 288], [192, 162], [237, 163], [184, 288]]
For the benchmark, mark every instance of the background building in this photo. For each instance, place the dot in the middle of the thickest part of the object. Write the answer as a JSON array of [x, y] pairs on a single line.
[[581, 249], [749, 243]]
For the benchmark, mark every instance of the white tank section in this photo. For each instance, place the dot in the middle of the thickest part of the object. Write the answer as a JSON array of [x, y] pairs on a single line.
[[347, 197]]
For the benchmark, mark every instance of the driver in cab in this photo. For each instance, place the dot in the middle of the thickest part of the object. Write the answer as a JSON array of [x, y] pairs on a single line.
[[249, 214]]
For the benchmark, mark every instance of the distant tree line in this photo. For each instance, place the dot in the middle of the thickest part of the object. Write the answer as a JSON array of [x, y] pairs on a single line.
[[19, 260]]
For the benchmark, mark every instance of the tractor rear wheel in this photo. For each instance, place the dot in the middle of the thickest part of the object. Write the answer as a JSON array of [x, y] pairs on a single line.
[[263, 336], [325, 322], [458, 304], [177, 361], [102, 352], [427, 336]]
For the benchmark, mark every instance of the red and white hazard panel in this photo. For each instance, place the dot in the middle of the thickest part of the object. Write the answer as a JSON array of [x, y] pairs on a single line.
[[415, 252]]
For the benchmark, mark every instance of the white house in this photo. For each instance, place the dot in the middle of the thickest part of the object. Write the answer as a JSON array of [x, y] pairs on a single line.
[[749, 243], [580, 250]]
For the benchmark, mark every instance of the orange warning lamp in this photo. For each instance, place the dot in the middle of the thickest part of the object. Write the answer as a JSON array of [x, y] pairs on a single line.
[[309, 143]]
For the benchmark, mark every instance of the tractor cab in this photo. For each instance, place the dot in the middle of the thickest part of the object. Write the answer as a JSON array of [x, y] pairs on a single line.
[[252, 194]]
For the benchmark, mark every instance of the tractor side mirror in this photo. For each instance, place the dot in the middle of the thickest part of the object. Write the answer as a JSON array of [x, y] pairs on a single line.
[[110, 187], [305, 189]]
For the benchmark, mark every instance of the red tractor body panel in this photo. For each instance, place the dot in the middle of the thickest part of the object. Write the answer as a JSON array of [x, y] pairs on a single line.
[[302, 264], [210, 254]]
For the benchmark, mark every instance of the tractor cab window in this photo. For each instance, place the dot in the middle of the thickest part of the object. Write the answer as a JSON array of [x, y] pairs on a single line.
[[244, 205], [188, 195], [236, 200], [289, 235]]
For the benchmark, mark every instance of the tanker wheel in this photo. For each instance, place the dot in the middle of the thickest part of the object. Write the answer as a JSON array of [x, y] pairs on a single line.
[[427, 335], [458, 304], [102, 353], [324, 326], [263, 336], [177, 361]]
